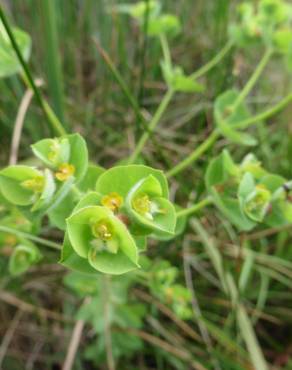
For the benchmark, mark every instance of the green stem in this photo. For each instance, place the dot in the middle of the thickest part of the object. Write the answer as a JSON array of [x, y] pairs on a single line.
[[195, 154], [121, 82], [153, 123], [213, 62], [264, 115], [253, 79], [165, 50], [53, 120], [195, 208], [28, 236], [53, 65], [131, 99], [215, 134]]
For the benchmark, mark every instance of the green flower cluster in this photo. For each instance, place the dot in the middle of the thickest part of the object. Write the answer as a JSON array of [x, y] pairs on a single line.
[[269, 21], [247, 193], [108, 227], [63, 162]]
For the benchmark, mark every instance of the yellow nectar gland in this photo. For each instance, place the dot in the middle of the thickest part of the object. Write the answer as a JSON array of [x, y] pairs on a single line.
[[113, 201], [142, 204], [65, 171], [102, 230], [35, 184]]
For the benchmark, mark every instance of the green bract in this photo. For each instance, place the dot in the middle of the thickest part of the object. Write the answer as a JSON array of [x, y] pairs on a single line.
[[97, 235], [254, 199], [121, 179], [139, 9], [24, 186], [9, 63], [147, 207], [163, 24], [66, 155]]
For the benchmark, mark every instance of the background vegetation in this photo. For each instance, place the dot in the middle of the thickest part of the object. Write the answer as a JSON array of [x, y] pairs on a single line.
[[175, 314]]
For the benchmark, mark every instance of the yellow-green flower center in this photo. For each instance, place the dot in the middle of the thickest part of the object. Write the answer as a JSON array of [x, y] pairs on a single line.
[[105, 238], [102, 230], [113, 201], [142, 204], [65, 171]]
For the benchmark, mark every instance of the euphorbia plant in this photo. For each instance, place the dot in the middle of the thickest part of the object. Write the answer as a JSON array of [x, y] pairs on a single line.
[[107, 215], [248, 194], [116, 209]]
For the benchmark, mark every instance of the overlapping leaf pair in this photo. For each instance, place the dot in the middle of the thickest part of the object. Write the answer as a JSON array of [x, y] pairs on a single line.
[[108, 227], [248, 194]]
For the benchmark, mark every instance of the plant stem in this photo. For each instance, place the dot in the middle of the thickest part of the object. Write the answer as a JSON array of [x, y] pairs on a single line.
[[131, 99], [54, 70], [143, 53], [195, 154], [253, 79], [36, 239], [165, 50], [107, 323], [53, 120], [212, 63], [215, 134], [264, 115], [153, 123], [195, 208], [164, 103], [117, 76]]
